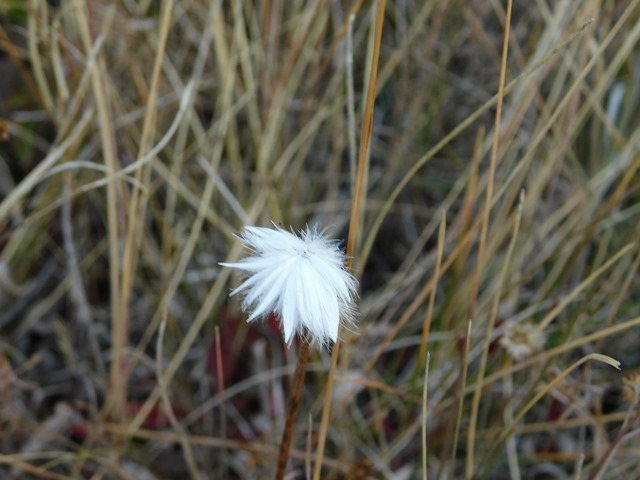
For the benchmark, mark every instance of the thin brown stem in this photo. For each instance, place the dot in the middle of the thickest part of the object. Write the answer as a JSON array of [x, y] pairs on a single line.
[[292, 409]]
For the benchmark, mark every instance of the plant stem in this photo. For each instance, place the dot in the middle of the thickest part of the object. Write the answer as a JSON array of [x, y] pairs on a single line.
[[292, 409], [365, 139], [471, 436]]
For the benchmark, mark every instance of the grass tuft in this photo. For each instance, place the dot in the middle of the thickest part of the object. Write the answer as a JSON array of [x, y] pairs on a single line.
[[136, 140]]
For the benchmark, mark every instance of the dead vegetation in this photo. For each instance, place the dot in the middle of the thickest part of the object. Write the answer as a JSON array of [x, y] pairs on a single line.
[[138, 137]]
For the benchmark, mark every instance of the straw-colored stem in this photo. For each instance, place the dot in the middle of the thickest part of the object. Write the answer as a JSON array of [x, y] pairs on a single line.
[[432, 296], [424, 416], [35, 58], [365, 139], [475, 405], [463, 381], [116, 401], [136, 227], [485, 224]]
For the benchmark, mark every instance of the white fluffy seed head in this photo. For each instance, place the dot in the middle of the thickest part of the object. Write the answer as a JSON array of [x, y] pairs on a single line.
[[300, 278]]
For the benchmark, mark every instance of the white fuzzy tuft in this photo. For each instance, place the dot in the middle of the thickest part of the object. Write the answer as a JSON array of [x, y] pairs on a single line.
[[301, 279]]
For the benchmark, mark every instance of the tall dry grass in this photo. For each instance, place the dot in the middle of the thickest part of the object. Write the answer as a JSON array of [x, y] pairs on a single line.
[[138, 137]]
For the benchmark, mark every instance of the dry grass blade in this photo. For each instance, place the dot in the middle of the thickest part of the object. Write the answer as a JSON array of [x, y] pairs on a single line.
[[356, 205], [424, 418], [592, 356], [137, 139]]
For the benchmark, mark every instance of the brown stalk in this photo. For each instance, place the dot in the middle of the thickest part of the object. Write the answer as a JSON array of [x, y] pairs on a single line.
[[292, 409]]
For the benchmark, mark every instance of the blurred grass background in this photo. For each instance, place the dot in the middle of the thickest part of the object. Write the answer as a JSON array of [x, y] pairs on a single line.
[[136, 137]]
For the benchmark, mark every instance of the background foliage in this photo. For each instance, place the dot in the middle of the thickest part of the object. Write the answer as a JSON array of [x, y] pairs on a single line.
[[138, 137]]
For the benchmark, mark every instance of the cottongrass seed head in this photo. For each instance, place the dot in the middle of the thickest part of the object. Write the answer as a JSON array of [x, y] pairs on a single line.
[[300, 278], [522, 340]]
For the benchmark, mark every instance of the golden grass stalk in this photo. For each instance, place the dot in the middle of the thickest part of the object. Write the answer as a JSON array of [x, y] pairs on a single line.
[[359, 191]]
